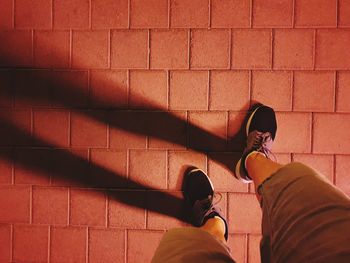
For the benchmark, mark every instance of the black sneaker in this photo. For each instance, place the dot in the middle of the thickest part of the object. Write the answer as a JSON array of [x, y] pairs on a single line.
[[198, 191], [261, 131]]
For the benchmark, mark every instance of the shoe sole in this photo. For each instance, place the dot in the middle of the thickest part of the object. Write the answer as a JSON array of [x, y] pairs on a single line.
[[238, 165]]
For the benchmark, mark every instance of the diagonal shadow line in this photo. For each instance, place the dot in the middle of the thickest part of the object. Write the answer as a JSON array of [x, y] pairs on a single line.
[[91, 175], [74, 90], [170, 128]]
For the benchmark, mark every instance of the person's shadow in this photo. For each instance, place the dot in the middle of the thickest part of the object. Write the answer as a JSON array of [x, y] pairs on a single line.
[[31, 87]]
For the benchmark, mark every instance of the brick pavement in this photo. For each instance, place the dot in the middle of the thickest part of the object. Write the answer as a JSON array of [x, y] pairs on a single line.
[[104, 103]]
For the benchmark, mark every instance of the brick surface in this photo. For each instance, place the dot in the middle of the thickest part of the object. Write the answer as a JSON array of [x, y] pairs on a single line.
[[70, 88], [235, 86], [159, 221], [294, 133], [238, 245], [148, 13], [204, 51], [221, 13], [167, 130], [88, 130], [208, 130], [90, 49], [18, 46], [52, 126], [106, 245], [31, 167], [139, 250], [188, 90], [149, 89], [51, 49], [109, 14], [279, 83], [221, 172], [33, 14], [98, 101], [6, 20], [315, 13], [50, 205], [30, 243], [343, 92], [32, 88], [6, 92], [122, 215], [71, 14], [331, 45], [337, 138], [320, 162], [15, 196], [283, 158], [272, 13], [169, 49], [314, 91], [6, 167], [293, 49], [87, 207], [129, 49], [68, 244], [251, 49], [75, 159], [236, 134], [342, 164], [108, 89], [131, 133], [22, 120], [244, 213], [148, 167], [179, 162], [189, 14], [113, 161], [253, 248], [5, 243], [344, 9]]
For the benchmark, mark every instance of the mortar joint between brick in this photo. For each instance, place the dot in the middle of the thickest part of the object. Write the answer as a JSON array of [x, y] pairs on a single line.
[[70, 48], [169, 14], [272, 48], [189, 48], [13, 14], [48, 243], [109, 47], [209, 14], [337, 14], [334, 169], [31, 204], [230, 49], [314, 50], [125, 246], [312, 133], [90, 15], [149, 48], [293, 13], [335, 91], [250, 87], [12, 241], [87, 245], [168, 89], [68, 205], [251, 3], [292, 89], [208, 89]]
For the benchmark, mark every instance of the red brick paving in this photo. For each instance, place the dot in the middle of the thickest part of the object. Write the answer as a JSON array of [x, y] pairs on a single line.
[[98, 81]]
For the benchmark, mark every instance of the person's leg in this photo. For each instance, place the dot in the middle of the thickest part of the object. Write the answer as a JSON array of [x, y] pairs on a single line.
[[305, 218], [260, 168], [216, 227]]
